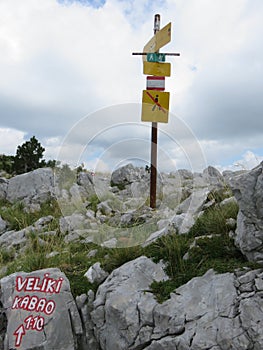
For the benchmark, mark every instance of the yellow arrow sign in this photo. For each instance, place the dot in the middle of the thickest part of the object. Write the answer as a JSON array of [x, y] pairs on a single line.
[[156, 68], [155, 106], [161, 38], [149, 47]]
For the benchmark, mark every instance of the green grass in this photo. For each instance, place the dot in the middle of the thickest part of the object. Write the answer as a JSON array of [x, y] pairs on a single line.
[[219, 195], [119, 256], [6, 256], [18, 218], [213, 221], [71, 259], [94, 201], [218, 253]]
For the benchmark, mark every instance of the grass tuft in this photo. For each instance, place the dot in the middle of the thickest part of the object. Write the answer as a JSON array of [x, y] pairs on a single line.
[[18, 218], [213, 221]]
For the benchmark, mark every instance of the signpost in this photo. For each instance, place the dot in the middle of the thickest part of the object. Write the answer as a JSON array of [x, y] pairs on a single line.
[[155, 101]]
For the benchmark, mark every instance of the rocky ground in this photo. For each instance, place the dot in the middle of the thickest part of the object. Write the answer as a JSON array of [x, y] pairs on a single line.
[[39, 268]]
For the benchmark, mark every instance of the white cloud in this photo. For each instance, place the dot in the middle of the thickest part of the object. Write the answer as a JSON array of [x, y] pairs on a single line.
[[59, 63], [70, 60], [9, 140]]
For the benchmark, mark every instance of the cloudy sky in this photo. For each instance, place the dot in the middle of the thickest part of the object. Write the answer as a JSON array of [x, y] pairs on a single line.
[[67, 76]]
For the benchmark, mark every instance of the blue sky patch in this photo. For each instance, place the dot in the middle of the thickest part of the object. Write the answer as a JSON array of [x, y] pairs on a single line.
[[92, 3]]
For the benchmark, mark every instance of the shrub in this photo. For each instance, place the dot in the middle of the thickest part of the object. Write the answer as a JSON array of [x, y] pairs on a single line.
[[28, 156]]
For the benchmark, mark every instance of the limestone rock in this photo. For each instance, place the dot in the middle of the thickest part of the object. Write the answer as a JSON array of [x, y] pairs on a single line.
[[85, 306], [127, 174], [247, 189], [213, 173], [15, 239], [3, 326], [34, 187], [228, 201], [85, 180], [3, 188], [104, 208], [140, 189], [185, 174], [41, 312], [111, 243], [73, 222], [188, 210], [92, 253], [43, 223], [156, 235], [163, 223], [3, 225], [77, 195], [122, 305], [96, 274], [214, 311]]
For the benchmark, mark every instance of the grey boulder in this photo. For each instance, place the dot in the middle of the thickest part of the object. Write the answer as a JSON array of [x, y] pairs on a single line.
[[126, 175], [34, 187], [96, 274], [248, 190], [123, 307]]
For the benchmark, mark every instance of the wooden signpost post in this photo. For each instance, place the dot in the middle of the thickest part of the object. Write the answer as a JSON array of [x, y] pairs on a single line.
[[155, 101]]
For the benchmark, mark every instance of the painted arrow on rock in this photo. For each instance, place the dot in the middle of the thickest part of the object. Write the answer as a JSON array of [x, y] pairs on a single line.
[[19, 333]]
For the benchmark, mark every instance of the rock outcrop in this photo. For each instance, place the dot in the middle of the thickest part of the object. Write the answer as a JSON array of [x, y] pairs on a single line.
[[214, 311], [248, 190], [127, 175], [123, 308], [31, 188]]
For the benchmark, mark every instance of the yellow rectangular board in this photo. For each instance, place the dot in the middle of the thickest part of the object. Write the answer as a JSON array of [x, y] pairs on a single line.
[[161, 38], [157, 68], [155, 106]]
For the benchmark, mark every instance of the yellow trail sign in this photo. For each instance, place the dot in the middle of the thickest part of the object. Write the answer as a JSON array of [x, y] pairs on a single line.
[[157, 68], [161, 38], [149, 47], [155, 106]]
